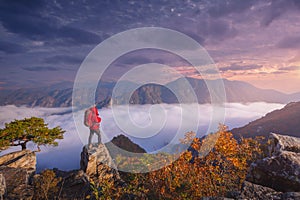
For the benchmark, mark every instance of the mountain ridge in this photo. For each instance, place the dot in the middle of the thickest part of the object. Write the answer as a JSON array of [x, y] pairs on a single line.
[[284, 121], [60, 95]]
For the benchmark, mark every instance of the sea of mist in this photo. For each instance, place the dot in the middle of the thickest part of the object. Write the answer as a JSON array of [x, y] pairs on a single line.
[[66, 155]]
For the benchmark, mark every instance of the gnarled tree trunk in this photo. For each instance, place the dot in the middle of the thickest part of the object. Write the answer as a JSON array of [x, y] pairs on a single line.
[[23, 145]]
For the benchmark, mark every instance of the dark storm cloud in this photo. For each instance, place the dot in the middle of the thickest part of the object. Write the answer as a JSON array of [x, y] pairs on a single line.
[[278, 8], [290, 42], [236, 67], [64, 22], [275, 10], [11, 48], [23, 17], [41, 68], [73, 23], [33, 21], [37, 28], [63, 59]]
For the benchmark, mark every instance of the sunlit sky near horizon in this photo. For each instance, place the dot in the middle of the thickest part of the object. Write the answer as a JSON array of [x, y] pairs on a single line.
[[43, 42]]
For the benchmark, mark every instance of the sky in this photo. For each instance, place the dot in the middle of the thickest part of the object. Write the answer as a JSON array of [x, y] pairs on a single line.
[[44, 42], [236, 115]]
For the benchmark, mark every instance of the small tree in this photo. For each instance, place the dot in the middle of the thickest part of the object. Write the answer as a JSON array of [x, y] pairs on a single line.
[[46, 185], [34, 129]]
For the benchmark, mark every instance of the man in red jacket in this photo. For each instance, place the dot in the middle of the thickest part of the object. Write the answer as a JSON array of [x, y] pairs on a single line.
[[94, 125]]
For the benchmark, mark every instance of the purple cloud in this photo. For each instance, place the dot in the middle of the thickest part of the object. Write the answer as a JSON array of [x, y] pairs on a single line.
[[236, 67]]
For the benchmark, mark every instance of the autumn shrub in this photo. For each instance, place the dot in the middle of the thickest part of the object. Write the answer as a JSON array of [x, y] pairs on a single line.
[[220, 166]]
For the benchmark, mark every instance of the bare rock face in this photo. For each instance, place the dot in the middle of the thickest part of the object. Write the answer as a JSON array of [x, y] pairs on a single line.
[[254, 191], [74, 184], [16, 169], [96, 162], [25, 159], [2, 186], [281, 169], [17, 185], [281, 143]]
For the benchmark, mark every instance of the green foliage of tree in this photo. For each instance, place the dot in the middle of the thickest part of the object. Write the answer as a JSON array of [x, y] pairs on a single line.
[[19, 132]]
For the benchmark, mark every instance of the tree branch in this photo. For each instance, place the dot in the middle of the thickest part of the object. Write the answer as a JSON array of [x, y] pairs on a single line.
[[38, 150]]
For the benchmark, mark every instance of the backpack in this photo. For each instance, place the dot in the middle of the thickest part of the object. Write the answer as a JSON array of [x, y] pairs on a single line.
[[86, 117]]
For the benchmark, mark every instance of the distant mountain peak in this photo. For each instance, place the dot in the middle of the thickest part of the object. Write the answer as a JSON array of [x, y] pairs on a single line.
[[126, 144]]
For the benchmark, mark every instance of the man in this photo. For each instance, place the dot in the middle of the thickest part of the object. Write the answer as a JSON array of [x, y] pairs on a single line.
[[93, 121]]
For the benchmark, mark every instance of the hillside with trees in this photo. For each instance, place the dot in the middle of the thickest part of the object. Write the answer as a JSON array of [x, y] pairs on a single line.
[[285, 121]]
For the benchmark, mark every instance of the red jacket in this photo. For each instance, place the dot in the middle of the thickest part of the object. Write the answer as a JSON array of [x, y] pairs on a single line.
[[94, 119]]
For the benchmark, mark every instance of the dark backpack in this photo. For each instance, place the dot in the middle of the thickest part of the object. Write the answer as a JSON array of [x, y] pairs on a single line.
[[86, 117]]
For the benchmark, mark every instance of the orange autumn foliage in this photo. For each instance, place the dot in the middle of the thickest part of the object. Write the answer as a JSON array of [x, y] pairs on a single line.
[[221, 167]]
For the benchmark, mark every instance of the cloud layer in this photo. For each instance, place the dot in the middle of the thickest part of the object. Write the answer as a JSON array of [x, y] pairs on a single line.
[[67, 155]]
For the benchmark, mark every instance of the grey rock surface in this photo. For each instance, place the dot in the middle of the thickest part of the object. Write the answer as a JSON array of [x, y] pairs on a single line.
[[98, 165], [281, 169], [17, 169]]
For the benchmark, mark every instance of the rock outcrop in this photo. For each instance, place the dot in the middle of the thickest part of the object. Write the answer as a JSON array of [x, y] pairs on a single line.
[[281, 169], [98, 165], [280, 143], [17, 169], [74, 184], [2, 186], [254, 191], [25, 159], [277, 176]]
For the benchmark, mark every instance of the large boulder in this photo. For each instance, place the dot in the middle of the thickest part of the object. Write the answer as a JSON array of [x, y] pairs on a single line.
[[254, 191], [98, 165], [280, 143], [280, 170], [17, 169]]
